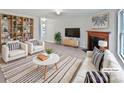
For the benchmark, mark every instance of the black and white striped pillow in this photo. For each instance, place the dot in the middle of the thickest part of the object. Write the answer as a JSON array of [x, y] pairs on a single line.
[[13, 46], [97, 77], [96, 50], [98, 59]]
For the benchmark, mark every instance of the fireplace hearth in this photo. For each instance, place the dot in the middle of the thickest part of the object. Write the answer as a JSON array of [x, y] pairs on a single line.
[[95, 36]]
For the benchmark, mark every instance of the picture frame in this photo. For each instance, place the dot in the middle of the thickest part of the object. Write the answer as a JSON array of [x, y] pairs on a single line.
[[100, 21]]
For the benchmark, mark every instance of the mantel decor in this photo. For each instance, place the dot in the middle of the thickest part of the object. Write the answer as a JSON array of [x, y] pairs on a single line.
[[100, 21]]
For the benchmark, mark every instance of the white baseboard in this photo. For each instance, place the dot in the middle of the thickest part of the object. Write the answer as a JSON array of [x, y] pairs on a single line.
[[55, 42], [49, 41], [82, 46]]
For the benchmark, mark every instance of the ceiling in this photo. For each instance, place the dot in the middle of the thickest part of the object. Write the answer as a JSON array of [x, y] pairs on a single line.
[[51, 12]]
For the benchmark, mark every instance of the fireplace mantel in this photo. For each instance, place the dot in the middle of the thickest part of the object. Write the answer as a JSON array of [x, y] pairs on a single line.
[[99, 35]]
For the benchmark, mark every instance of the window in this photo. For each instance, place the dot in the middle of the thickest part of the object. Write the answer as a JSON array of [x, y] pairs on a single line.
[[121, 34]]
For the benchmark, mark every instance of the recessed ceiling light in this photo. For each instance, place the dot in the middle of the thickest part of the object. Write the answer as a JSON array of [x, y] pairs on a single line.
[[58, 11]]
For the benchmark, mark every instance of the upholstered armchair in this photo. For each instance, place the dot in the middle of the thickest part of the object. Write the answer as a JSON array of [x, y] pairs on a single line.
[[14, 50], [35, 46]]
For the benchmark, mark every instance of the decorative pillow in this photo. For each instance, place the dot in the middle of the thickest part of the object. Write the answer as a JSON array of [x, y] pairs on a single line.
[[98, 60], [97, 77], [96, 50], [14, 46]]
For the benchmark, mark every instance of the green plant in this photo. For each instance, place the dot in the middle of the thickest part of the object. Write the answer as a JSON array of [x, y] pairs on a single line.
[[49, 50], [58, 37]]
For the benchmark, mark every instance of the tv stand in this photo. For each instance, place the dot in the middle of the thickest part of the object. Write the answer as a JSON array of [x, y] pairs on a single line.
[[71, 42]]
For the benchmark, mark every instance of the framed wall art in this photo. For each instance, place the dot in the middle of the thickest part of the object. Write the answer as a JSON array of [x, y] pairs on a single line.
[[100, 21]]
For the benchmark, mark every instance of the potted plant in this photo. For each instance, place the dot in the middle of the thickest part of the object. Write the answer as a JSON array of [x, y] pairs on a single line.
[[57, 37], [49, 51]]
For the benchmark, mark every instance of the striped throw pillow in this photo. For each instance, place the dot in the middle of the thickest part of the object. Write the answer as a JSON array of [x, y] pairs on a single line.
[[96, 50], [14, 46], [97, 77], [98, 59]]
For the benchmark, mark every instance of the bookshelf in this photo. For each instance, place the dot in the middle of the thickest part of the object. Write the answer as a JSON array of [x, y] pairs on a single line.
[[15, 28]]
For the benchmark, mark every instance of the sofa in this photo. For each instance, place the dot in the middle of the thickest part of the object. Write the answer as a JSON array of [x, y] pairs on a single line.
[[13, 50], [110, 65], [35, 46]]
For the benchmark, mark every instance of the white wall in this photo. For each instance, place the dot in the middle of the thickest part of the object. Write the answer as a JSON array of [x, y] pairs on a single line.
[[84, 23], [60, 24], [36, 21]]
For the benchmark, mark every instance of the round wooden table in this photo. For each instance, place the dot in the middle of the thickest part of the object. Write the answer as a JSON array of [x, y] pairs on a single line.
[[52, 59]]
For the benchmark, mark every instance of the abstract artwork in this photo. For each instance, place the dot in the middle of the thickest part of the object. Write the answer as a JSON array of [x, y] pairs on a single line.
[[100, 21]]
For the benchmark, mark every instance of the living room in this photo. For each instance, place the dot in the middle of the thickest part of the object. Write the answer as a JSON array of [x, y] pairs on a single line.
[[44, 24], [61, 46], [80, 19]]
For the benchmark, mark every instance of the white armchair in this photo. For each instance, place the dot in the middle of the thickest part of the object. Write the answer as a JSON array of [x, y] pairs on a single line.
[[35, 46], [14, 50]]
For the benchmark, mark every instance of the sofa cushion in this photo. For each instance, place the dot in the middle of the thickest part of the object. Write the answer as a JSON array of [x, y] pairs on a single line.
[[16, 52], [97, 77], [14, 46], [111, 63], [117, 76], [109, 60], [86, 66], [98, 59]]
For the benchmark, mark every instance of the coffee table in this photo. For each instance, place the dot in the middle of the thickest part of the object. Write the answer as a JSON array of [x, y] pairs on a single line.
[[52, 59]]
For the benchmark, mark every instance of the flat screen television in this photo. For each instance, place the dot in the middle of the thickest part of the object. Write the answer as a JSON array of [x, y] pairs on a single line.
[[72, 32]]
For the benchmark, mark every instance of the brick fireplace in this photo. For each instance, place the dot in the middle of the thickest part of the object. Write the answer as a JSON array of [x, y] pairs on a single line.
[[95, 36]]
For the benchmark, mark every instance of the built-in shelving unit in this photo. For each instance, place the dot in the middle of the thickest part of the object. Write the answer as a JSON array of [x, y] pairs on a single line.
[[15, 28]]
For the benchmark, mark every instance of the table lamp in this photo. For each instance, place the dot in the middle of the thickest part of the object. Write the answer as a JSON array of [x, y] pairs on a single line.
[[102, 44]]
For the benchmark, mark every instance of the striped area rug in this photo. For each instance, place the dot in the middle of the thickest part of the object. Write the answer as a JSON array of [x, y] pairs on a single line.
[[24, 71]]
